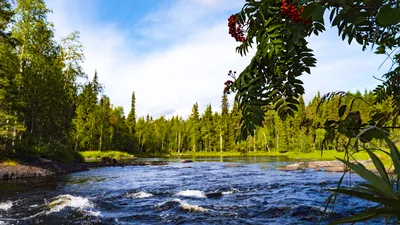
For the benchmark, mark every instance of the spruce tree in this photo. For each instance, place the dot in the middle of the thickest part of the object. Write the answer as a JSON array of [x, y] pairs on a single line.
[[207, 128], [131, 120], [194, 128], [225, 128]]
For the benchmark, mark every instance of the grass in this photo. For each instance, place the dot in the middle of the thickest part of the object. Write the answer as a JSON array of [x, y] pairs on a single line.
[[9, 162], [101, 154], [326, 155], [316, 155]]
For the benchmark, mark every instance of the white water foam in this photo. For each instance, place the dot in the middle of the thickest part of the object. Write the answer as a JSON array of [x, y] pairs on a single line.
[[63, 201], [5, 206], [93, 213], [233, 190], [184, 205], [189, 207], [140, 194], [192, 193]]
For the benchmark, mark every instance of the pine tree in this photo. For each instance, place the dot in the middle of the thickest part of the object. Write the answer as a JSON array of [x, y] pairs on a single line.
[[224, 125], [131, 120], [207, 128], [85, 120], [194, 128]]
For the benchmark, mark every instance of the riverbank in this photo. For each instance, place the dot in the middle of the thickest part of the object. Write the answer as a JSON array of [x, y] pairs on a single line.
[[332, 166], [327, 155], [40, 168], [98, 155], [44, 167]]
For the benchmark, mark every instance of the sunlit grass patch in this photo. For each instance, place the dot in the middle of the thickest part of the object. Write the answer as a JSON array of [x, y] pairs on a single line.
[[314, 155], [9, 163], [326, 155], [101, 154]]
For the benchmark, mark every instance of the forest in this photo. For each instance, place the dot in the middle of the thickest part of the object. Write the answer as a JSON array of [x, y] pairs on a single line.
[[50, 108], [47, 111]]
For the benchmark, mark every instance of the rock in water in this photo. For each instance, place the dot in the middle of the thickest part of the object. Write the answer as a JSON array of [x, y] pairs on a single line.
[[109, 160], [186, 161]]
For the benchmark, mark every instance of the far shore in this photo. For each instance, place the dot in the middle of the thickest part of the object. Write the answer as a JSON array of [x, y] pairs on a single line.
[[45, 167], [326, 155]]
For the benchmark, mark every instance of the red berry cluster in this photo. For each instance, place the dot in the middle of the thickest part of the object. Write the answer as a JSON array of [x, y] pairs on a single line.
[[290, 10], [228, 83], [235, 28]]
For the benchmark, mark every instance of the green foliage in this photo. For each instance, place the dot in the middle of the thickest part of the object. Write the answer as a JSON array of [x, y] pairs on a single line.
[[131, 120], [107, 153], [381, 188], [280, 41], [270, 81]]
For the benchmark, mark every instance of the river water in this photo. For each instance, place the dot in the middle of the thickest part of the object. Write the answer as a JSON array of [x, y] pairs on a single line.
[[241, 190]]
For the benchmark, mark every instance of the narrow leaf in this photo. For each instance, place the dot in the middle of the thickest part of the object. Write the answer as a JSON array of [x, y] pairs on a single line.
[[378, 182]]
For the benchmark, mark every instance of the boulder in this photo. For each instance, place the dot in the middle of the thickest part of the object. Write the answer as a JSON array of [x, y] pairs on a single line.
[[109, 160], [186, 161], [336, 169]]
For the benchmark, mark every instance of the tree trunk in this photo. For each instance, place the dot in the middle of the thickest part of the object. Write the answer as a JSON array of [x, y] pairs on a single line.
[[220, 139], [265, 140], [254, 141], [101, 137], [179, 142], [76, 143], [176, 139], [140, 134], [162, 143]]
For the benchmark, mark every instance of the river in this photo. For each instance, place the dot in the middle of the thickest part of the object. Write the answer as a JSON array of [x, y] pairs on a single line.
[[240, 190]]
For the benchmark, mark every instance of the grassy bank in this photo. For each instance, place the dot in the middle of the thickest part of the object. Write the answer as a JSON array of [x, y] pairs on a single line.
[[101, 154], [315, 155]]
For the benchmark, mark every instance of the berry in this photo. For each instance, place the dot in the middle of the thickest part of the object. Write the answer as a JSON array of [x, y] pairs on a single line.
[[293, 12], [235, 28]]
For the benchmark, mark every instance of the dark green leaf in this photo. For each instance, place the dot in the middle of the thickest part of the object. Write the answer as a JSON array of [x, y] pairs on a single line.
[[318, 14], [372, 3], [308, 11], [359, 20], [290, 112], [379, 166], [292, 100], [293, 107], [342, 110], [378, 182], [394, 152], [355, 192], [357, 218], [388, 16]]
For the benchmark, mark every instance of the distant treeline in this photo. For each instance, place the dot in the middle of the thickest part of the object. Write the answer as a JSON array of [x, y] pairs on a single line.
[[45, 112]]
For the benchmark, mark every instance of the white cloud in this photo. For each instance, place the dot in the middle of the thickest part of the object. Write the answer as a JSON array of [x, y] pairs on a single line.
[[170, 80], [190, 56]]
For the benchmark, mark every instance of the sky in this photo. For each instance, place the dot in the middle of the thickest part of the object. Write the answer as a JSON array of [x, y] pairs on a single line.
[[174, 53]]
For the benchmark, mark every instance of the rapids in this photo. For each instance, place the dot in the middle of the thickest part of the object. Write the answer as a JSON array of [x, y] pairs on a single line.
[[206, 191]]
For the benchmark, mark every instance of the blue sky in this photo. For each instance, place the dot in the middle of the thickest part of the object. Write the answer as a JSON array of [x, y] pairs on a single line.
[[174, 53]]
